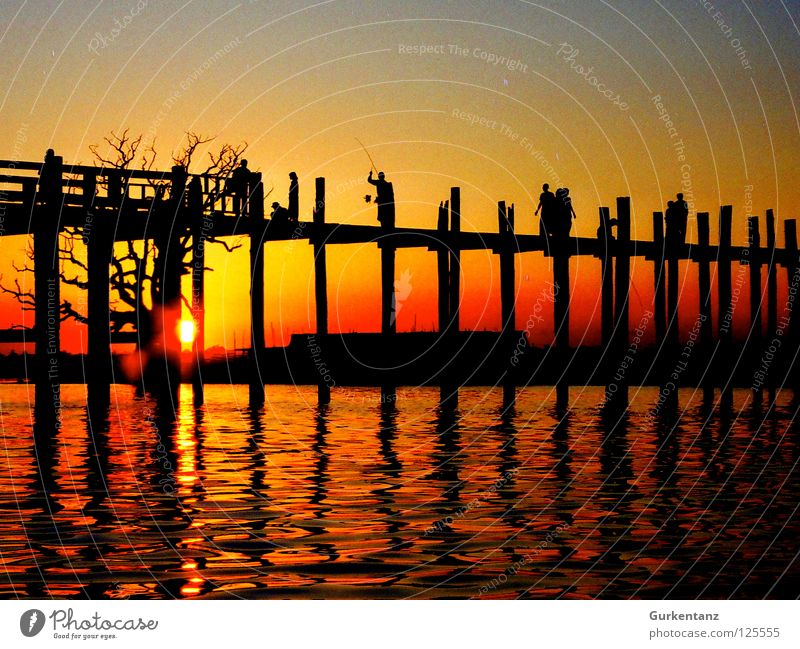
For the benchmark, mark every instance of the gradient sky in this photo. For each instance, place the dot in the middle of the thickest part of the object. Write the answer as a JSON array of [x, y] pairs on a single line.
[[300, 81]]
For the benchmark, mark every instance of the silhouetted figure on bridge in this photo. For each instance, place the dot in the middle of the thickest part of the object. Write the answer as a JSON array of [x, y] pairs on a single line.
[[238, 186], [294, 197], [547, 207], [683, 218], [564, 212], [49, 177], [384, 199], [280, 215], [676, 220]]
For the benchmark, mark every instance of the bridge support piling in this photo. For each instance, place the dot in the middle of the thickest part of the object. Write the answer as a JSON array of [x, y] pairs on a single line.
[[793, 286], [706, 327], [617, 389], [561, 289], [723, 366], [772, 295], [454, 301], [388, 314], [607, 278], [755, 337], [47, 296], [100, 247], [320, 283], [508, 286], [257, 231], [199, 230]]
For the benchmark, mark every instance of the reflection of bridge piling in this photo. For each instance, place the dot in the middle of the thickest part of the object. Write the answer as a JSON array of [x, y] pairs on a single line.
[[105, 204]]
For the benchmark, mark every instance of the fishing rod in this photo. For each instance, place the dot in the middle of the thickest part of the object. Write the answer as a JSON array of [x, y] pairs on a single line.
[[371, 161]]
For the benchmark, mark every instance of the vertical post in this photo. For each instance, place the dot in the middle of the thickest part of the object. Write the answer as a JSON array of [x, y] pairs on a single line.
[[754, 339], [256, 221], [792, 280], [724, 365], [454, 299], [704, 279], [199, 228], [607, 282], [561, 299], [619, 398], [388, 310], [772, 293], [443, 268], [455, 259], [505, 225], [321, 282], [659, 280], [47, 294], [100, 245]]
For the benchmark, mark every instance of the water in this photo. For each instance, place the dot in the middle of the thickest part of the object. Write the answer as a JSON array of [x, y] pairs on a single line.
[[361, 500]]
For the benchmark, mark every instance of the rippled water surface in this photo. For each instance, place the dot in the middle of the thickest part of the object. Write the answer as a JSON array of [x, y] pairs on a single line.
[[363, 499]]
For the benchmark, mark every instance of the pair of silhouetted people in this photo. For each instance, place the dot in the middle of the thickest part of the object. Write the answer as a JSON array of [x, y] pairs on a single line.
[[384, 199], [282, 215], [238, 186], [556, 212], [677, 218]]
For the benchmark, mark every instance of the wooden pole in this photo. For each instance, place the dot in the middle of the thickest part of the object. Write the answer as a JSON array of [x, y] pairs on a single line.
[[754, 341], [772, 294], [607, 281], [704, 279], [619, 397], [257, 230], [659, 280], [793, 312], [505, 224], [724, 365], [100, 247], [449, 392], [388, 312], [443, 268], [320, 282], [561, 289], [47, 295], [200, 231]]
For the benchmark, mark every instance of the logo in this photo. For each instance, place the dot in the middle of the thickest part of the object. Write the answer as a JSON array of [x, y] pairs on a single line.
[[31, 622]]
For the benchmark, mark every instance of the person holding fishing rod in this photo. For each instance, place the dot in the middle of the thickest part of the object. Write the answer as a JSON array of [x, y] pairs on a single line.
[[384, 190], [384, 199]]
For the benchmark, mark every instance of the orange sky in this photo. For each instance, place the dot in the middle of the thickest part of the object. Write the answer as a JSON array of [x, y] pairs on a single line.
[[300, 81]]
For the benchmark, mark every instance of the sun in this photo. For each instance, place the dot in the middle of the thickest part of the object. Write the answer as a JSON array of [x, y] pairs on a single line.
[[186, 331]]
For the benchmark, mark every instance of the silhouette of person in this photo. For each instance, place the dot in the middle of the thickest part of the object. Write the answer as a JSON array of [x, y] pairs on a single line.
[[238, 187], [671, 221], [294, 197], [565, 211], [48, 177], [546, 205], [384, 199], [682, 211], [279, 215]]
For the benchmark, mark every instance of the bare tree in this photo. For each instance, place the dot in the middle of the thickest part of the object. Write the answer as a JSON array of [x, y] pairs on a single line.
[[135, 274]]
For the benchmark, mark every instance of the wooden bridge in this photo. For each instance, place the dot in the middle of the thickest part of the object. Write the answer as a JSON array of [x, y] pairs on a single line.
[[111, 205]]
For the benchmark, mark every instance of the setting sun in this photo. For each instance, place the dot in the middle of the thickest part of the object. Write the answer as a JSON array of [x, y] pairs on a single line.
[[186, 331]]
